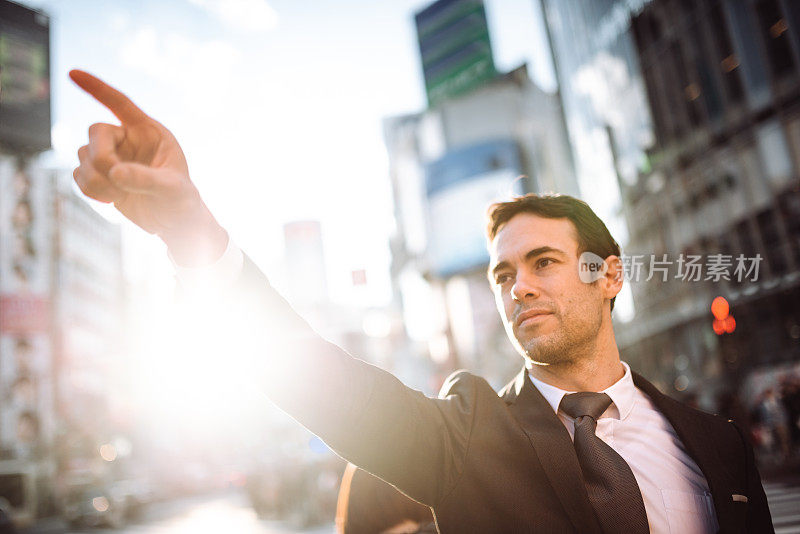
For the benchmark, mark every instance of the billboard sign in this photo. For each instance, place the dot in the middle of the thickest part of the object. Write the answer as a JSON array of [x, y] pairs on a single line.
[[24, 78], [24, 314], [460, 186], [454, 45]]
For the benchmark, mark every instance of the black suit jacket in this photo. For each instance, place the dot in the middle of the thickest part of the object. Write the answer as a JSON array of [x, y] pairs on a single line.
[[483, 462]]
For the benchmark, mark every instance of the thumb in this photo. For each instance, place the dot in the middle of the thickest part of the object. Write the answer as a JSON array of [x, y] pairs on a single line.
[[138, 178]]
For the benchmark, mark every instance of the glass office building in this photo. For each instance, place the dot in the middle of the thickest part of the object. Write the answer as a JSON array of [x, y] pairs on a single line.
[[603, 96], [700, 105]]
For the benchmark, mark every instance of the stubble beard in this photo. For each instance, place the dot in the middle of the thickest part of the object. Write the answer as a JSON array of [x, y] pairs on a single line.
[[572, 341]]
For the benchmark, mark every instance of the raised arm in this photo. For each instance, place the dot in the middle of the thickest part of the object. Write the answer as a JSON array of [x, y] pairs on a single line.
[[366, 414]]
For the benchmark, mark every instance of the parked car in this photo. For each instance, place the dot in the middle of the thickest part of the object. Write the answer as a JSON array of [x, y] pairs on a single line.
[[18, 497], [109, 504]]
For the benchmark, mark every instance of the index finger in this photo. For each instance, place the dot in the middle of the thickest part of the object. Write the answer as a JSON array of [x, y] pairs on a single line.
[[119, 104]]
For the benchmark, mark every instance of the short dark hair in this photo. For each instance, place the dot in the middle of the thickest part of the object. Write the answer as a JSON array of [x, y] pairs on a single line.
[[593, 236]]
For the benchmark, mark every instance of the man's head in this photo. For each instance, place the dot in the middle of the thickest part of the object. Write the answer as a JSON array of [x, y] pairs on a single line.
[[537, 244]]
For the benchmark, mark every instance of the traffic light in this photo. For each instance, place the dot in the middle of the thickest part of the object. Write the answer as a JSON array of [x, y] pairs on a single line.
[[724, 323]]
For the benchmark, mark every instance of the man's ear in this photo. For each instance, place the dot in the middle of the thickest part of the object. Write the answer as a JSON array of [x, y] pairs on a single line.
[[611, 281]]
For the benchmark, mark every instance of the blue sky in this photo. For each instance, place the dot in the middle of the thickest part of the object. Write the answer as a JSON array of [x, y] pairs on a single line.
[[277, 104]]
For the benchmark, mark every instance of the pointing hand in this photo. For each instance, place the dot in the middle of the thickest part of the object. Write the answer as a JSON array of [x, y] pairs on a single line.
[[140, 168]]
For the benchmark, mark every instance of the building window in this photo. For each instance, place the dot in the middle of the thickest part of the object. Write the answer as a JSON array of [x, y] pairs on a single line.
[[710, 88], [770, 237], [789, 203], [689, 86], [774, 152], [727, 60], [774, 30]]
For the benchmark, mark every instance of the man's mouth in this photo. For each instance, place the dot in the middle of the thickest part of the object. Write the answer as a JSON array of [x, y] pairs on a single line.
[[531, 316]]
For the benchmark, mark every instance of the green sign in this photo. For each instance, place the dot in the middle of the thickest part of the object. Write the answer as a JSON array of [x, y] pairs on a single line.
[[454, 44]]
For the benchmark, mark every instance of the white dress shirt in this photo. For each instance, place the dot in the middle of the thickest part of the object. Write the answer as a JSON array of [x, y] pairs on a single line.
[[674, 490]]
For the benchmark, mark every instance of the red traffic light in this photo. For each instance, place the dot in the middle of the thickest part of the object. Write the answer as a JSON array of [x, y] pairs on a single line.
[[720, 308], [718, 326], [724, 326]]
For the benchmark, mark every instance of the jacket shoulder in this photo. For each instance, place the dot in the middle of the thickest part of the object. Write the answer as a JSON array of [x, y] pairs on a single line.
[[719, 428], [711, 420], [462, 382], [509, 389], [720, 433]]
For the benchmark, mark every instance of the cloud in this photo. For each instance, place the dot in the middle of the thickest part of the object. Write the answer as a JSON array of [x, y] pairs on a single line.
[[249, 15], [178, 60], [120, 20]]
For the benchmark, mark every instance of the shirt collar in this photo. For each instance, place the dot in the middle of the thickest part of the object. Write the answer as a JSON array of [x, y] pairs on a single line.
[[622, 393]]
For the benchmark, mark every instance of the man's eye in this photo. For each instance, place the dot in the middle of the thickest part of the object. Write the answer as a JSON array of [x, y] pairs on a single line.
[[502, 279], [543, 262]]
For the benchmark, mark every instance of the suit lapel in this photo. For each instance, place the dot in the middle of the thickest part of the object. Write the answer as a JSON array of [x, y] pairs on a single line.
[[692, 432], [553, 446]]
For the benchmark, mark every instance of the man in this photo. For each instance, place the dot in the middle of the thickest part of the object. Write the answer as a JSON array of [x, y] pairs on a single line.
[[576, 443]]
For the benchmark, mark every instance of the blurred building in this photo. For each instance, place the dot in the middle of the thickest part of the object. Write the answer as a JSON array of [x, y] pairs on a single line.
[[60, 291], [603, 97], [723, 82], [367, 332], [27, 380], [485, 137], [89, 299], [60, 325], [682, 121]]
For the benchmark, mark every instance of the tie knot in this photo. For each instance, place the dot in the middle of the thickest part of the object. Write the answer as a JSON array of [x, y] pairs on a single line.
[[585, 403]]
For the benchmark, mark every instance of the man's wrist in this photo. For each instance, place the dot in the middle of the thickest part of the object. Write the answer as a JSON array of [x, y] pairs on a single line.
[[202, 244], [217, 276]]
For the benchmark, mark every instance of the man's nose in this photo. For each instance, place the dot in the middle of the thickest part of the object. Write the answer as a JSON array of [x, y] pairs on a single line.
[[524, 288]]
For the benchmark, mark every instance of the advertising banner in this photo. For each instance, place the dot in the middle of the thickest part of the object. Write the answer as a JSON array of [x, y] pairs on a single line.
[[460, 186]]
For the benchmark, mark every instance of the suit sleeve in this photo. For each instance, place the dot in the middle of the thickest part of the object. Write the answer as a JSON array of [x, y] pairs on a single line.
[[759, 519], [364, 413]]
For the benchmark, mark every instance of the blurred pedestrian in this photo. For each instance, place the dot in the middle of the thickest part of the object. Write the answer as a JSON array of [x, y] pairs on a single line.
[[790, 395], [775, 419]]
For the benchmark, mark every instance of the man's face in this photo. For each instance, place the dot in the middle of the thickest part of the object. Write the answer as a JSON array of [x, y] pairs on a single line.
[[550, 315]]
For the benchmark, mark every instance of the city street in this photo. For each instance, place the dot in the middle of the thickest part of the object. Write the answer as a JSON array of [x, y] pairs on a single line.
[[221, 512], [784, 504], [231, 512]]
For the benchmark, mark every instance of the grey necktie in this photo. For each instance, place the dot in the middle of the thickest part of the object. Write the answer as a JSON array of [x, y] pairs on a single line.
[[612, 488]]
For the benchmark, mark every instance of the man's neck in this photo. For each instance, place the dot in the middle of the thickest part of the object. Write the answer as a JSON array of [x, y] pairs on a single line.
[[596, 369], [580, 376]]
